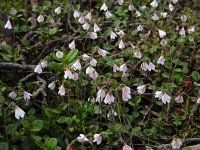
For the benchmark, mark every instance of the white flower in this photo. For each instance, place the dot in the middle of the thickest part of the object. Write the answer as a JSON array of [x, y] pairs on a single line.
[[72, 45], [77, 65], [97, 138], [154, 4], [126, 147], [161, 60], [140, 28], [75, 76], [93, 62], [138, 54], [183, 18], [59, 54], [76, 14], [179, 99], [108, 14], [92, 72], [96, 28], [166, 98], [130, 7], [89, 16], [93, 35], [112, 35], [40, 18], [126, 93], [144, 66], [121, 44], [12, 95], [120, 2], [111, 113], [44, 64], [85, 57], [38, 69], [27, 95], [8, 25], [109, 98], [123, 68], [100, 95], [61, 90], [163, 14], [163, 42], [171, 8], [162, 33], [104, 7], [174, 1], [19, 113], [198, 100], [86, 26], [57, 10], [176, 143], [52, 85], [13, 11], [143, 8], [155, 17], [141, 89], [102, 52], [182, 31], [159, 94], [81, 20], [191, 29], [82, 138], [68, 74], [138, 14], [115, 67], [120, 33], [151, 66]]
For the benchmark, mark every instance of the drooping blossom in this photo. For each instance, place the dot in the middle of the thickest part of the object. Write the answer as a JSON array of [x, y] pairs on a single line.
[[161, 60], [111, 113], [82, 138], [72, 45], [140, 28], [162, 33], [44, 64], [163, 97], [40, 18], [141, 89], [176, 143], [8, 25], [138, 54], [108, 14], [102, 52], [143, 7], [68, 74], [93, 62], [179, 98], [96, 28], [198, 100], [183, 18], [82, 20], [38, 69], [120, 2], [77, 65], [126, 147], [126, 93], [85, 57], [123, 68], [115, 67], [27, 95], [163, 42], [59, 54], [155, 17], [171, 7], [144, 66], [76, 14], [19, 113], [130, 7], [154, 4], [120, 33], [86, 26], [97, 138], [163, 14], [13, 11], [174, 1], [12, 95], [182, 31], [112, 35], [109, 98], [57, 10], [52, 85], [159, 94], [104, 7], [191, 29], [61, 90], [91, 72], [89, 16], [151, 66], [93, 35], [75, 76], [100, 95], [138, 14], [121, 44]]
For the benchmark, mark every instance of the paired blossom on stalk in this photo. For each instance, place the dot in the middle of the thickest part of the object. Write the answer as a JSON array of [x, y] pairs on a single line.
[[154, 4], [123, 68], [179, 98], [145, 66], [141, 89], [126, 93], [102, 52], [97, 138], [176, 143], [19, 113], [92, 72], [109, 98], [8, 25], [163, 97], [61, 90]]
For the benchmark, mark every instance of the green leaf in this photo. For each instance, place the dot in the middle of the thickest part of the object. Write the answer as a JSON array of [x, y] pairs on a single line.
[[195, 75], [49, 112], [71, 56], [53, 31], [186, 148], [62, 106], [51, 143], [57, 66], [62, 119], [26, 43], [3, 146], [37, 125], [11, 128]]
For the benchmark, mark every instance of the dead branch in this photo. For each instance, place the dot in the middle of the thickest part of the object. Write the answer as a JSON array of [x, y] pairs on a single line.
[[13, 66]]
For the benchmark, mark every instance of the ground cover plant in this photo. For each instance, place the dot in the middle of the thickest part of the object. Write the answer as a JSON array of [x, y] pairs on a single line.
[[99, 74]]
